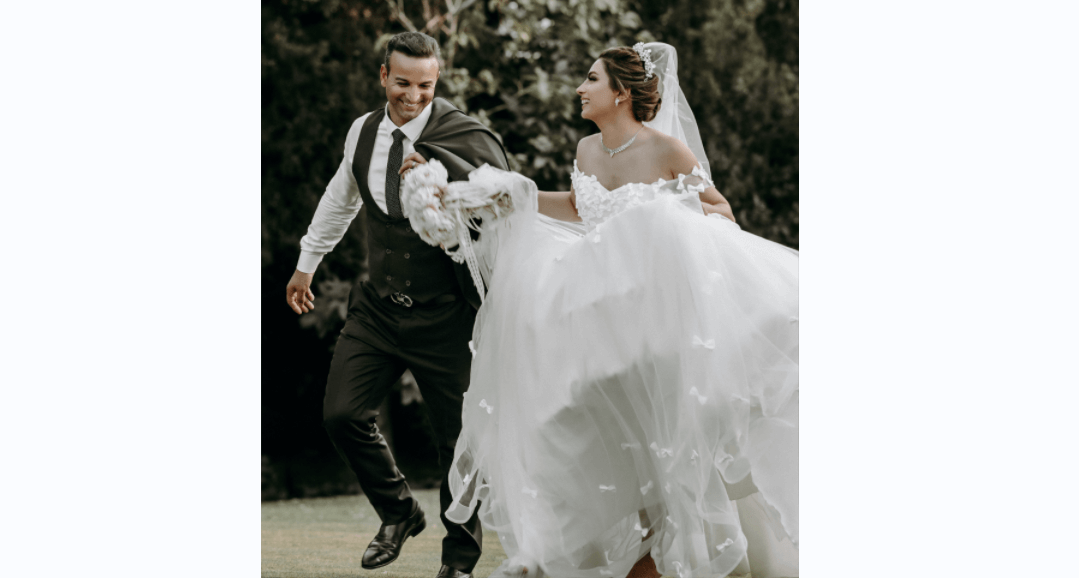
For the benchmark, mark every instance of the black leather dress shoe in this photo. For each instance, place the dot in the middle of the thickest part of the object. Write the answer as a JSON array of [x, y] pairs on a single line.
[[386, 546], [447, 572]]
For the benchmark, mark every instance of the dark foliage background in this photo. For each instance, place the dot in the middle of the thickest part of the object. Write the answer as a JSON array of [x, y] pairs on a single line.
[[513, 65]]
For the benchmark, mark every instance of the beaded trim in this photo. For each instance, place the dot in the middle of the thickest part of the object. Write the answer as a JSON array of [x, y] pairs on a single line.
[[646, 58]]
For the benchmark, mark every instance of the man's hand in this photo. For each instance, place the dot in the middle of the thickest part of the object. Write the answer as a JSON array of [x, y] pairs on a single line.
[[298, 293], [410, 162]]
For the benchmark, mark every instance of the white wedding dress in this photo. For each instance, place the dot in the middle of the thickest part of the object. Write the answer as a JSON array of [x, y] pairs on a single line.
[[634, 388]]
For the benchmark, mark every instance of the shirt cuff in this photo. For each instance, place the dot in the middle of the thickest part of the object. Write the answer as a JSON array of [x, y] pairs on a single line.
[[308, 262]]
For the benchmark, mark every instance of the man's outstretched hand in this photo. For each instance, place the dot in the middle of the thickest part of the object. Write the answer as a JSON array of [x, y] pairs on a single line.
[[298, 293]]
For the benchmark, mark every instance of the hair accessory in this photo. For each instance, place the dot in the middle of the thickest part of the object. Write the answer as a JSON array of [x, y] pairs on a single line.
[[646, 58]]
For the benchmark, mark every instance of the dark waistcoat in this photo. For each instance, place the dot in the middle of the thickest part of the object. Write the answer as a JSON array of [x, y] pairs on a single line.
[[399, 261]]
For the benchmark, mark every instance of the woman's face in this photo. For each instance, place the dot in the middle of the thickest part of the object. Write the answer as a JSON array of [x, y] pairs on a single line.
[[597, 98]]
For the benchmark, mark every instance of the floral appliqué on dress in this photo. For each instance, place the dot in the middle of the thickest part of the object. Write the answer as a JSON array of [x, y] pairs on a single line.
[[596, 204]]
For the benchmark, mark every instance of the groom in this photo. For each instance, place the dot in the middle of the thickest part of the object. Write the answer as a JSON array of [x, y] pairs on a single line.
[[417, 310]]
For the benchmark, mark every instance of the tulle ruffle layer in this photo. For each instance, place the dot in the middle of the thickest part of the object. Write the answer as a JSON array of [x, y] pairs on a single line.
[[628, 386]]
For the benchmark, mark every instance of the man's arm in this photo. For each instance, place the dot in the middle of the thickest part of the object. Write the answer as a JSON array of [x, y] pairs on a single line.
[[336, 210]]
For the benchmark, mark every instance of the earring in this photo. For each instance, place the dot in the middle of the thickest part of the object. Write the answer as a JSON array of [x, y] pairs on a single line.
[[616, 101]]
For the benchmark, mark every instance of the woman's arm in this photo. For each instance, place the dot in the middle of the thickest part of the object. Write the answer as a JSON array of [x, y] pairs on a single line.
[[561, 205], [713, 202], [683, 162]]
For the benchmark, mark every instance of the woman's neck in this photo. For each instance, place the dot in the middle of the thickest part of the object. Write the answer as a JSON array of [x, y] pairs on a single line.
[[618, 130]]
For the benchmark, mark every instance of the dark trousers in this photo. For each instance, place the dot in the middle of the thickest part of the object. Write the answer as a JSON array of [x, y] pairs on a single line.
[[379, 341]]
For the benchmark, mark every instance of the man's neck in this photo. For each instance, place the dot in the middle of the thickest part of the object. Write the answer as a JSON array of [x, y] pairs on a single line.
[[393, 118]]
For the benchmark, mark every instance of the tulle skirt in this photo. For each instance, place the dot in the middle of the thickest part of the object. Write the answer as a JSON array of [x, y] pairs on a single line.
[[635, 389]]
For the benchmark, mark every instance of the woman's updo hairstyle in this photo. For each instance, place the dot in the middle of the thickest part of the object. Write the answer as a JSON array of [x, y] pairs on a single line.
[[626, 70]]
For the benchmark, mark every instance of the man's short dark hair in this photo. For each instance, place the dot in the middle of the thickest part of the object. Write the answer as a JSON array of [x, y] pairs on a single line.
[[414, 44]]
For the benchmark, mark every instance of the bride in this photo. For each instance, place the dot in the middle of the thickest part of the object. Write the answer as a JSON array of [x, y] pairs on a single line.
[[634, 386]]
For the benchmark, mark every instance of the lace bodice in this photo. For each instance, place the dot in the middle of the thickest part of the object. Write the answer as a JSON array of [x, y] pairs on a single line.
[[596, 204]]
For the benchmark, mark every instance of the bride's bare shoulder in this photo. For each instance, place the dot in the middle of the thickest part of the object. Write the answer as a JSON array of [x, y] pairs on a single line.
[[589, 145], [674, 155], [588, 151], [667, 145]]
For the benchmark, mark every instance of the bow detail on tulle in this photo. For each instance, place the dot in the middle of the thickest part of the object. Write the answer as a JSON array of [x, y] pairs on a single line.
[[726, 544], [698, 342], [472, 348], [466, 479], [485, 405], [693, 457], [530, 492], [606, 570], [643, 531], [633, 446], [663, 453], [603, 488], [700, 184], [646, 487], [697, 394]]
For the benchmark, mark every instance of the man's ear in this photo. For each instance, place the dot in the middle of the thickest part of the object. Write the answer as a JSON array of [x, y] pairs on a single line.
[[383, 73]]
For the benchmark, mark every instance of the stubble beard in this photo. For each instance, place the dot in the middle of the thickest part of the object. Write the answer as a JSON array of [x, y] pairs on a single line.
[[406, 114]]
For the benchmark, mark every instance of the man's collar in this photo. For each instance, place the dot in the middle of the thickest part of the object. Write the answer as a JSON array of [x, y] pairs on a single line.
[[414, 127]]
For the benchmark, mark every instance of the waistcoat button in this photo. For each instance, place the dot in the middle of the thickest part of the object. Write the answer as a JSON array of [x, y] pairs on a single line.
[[389, 251], [389, 277], [406, 255], [408, 283]]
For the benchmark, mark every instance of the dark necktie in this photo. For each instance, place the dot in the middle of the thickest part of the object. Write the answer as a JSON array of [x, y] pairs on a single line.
[[393, 180]]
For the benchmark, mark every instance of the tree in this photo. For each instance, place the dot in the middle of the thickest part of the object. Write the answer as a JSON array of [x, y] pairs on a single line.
[[513, 65]]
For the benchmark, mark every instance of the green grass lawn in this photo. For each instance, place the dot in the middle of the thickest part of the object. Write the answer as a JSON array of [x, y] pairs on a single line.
[[327, 537], [324, 537]]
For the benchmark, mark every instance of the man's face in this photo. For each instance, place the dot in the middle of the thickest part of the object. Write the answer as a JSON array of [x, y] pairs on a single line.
[[410, 85]]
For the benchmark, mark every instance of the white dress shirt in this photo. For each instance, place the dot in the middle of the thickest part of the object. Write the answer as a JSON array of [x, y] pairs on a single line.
[[342, 201]]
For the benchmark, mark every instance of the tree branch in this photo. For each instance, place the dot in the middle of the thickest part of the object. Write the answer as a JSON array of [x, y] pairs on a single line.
[[397, 13]]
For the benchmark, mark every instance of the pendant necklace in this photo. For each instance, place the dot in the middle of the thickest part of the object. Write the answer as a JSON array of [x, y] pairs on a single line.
[[621, 148]]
